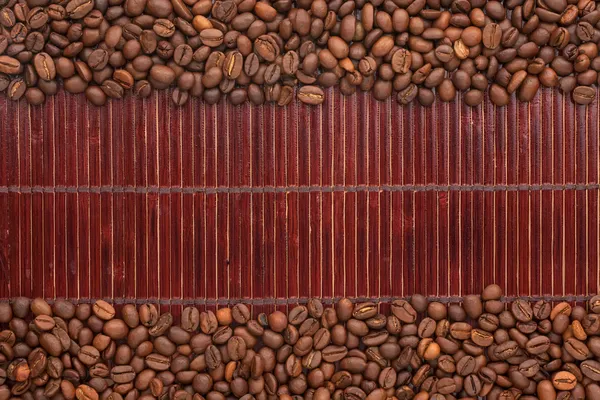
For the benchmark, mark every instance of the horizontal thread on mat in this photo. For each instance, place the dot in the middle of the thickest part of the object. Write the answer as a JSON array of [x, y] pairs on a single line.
[[303, 300], [299, 189]]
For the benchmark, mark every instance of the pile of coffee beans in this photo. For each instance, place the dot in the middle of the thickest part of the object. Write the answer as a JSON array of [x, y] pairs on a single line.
[[272, 50], [482, 347]]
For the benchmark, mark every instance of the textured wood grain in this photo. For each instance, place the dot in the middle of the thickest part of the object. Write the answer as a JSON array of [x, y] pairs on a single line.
[[358, 198]]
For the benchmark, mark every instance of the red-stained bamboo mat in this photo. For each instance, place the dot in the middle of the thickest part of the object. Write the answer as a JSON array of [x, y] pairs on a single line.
[[141, 199]]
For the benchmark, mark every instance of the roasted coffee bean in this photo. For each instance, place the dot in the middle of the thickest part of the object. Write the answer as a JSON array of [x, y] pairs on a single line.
[[44, 66], [537, 345], [77, 9], [10, 66], [473, 306], [404, 311], [581, 94], [95, 95], [577, 349], [492, 36], [88, 355], [404, 97], [351, 350], [270, 45], [266, 47], [190, 318], [364, 311], [290, 63], [522, 310], [564, 380], [34, 97], [122, 374], [311, 95]]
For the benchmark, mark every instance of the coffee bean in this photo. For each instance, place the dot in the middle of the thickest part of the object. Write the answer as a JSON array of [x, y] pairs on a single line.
[[290, 63], [158, 362], [461, 50], [372, 350], [162, 76], [272, 74], [266, 47], [95, 95], [88, 355], [364, 311], [35, 97], [122, 374], [473, 306], [577, 349], [522, 309], [564, 380], [401, 61], [164, 28], [44, 322], [538, 345], [492, 36], [498, 95], [7, 18], [404, 97], [77, 9], [491, 292], [404, 311], [356, 51], [312, 95], [581, 94], [85, 392], [10, 66], [190, 318], [211, 37], [103, 310]]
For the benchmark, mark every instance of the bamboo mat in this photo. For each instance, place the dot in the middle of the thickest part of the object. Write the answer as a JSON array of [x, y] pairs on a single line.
[[213, 204]]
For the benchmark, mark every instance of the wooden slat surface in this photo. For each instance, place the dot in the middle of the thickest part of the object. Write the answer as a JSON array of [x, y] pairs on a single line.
[[141, 199]]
